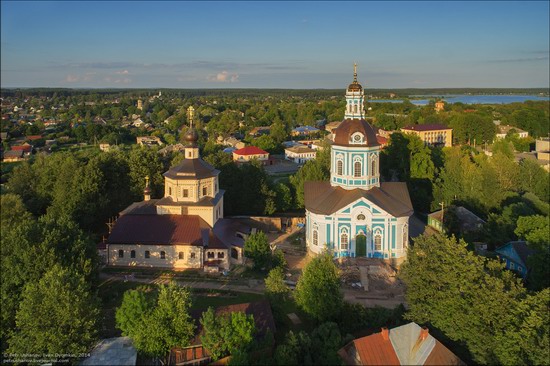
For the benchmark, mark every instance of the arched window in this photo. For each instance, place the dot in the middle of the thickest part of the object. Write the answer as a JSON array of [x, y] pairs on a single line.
[[378, 242], [344, 239], [121, 253], [373, 167], [162, 254], [339, 167], [181, 255], [169, 191], [355, 108], [147, 254], [133, 254], [315, 237], [357, 169], [360, 217]]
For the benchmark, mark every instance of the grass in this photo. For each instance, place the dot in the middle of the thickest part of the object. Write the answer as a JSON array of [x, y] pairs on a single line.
[[111, 294]]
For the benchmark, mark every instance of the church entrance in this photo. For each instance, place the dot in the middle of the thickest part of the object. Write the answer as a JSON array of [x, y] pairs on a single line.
[[360, 245]]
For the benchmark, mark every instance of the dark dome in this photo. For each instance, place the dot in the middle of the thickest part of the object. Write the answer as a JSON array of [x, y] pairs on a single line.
[[191, 136], [147, 190], [355, 86], [342, 134]]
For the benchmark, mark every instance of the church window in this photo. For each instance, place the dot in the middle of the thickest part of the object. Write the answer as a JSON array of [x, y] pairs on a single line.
[[339, 167], [147, 254], [373, 167], [121, 253], [355, 108], [181, 255], [185, 193], [357, 169], [378, 242], [221, 255], [344, 239], [133, 254], [360, 217], [204, 191], [234, 253], [315, 237], [210, 255], [192, 255], [162, 254], [169, 191]]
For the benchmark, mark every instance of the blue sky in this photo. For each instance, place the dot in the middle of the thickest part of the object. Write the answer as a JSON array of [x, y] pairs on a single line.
[[209, 44]]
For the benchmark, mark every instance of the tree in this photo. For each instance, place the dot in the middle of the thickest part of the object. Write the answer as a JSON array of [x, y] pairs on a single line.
[[224, 334], [275, 285], [168, 324], [256, 247], [132, 312], [466, 296], [311, 171], [318, 289], [283, 197], [536, 230], [57, 314]]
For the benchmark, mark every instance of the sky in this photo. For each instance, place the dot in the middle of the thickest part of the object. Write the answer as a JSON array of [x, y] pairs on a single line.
[[287, 44]]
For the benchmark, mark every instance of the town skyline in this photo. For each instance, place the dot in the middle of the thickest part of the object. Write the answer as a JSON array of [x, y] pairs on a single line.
[[301, 45]]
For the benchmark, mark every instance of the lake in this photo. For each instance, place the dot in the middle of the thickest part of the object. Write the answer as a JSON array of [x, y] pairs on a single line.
[[471, 99]]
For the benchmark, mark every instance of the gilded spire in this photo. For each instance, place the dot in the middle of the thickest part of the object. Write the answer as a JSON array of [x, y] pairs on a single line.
[[355, 72], [190, 115]]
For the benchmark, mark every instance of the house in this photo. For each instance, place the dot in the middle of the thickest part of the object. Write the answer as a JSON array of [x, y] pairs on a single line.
[[504, 130], [175, 231], [138, 123], [149, 141], [258, 131], [13, 156], [33, 137], [515, 254], [432, 134], [304, 131], [25, 148], [172, 148], [542, 147], [233, 142], [467, 221], [408, 344], [196, 354], [299, 154], [246, 154], [105, 147], [4, 136], [439, 106], [331, 126]]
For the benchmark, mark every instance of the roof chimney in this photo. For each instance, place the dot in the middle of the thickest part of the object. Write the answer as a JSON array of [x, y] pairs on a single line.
[[385, 333], [424, 333]]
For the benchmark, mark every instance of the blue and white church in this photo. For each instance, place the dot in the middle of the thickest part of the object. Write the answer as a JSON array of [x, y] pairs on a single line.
[[355, 214]]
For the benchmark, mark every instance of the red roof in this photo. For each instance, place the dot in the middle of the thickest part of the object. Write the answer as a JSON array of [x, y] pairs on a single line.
[[375, 350], [381, 140], [25, 148], [427, 127], [34, 137], [250, 150]]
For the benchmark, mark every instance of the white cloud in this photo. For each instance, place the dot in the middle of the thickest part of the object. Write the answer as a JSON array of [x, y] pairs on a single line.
[[72, 79], [123, 72], [223, 77]]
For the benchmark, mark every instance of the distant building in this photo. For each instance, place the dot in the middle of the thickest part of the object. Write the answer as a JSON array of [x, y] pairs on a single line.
[[542, 147], [304, 131], [467, 220], [503, 131], [432, 134], [299, 154], [149, 141], [12, 156], [140, 104], [112, 351], [408, 344], [105, 147], [246, 154], [258, 131], [439, 106]]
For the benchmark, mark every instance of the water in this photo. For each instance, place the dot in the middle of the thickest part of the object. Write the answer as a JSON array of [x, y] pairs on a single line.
[[471, 99]]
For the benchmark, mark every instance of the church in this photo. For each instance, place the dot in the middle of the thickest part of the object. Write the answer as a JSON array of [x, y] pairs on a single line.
[[355, 214], [176, 231]]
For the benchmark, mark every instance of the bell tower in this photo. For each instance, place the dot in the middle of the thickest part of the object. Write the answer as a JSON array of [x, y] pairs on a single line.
[[355, 98]]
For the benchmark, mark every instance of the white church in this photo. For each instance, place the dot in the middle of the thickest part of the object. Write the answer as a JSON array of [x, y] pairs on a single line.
[[355, 214]]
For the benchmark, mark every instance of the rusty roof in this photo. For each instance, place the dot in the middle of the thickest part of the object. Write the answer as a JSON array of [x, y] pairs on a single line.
[[441, 355], [323, 198], [192, 169], [342, 134], [371, 350], [427, 127], [164, 230]]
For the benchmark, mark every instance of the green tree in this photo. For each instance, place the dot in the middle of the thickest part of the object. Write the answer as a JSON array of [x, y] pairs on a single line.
[[168, 324], [225, 334], [132, 312], [275, 285], [460, 293], [318, 289], [256, 247], [57, 314], [311, 171]]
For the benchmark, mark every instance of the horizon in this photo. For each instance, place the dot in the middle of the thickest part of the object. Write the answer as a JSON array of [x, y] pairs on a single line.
[[274, 45]]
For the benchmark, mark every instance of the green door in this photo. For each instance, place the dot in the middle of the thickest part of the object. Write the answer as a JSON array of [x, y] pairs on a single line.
[[360, 245]]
